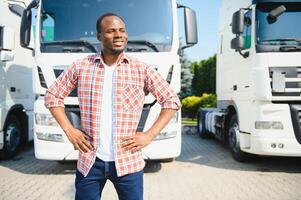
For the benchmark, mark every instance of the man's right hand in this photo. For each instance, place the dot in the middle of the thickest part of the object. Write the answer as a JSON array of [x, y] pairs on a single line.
[[79, 140]]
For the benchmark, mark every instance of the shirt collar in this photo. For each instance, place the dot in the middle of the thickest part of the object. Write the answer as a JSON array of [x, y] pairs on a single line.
[[123, 59]]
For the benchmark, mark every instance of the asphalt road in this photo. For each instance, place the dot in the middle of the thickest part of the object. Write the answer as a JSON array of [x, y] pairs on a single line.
[[205, 170]]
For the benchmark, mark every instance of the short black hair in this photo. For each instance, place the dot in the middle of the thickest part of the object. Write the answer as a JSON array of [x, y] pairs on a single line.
[[99, 20]]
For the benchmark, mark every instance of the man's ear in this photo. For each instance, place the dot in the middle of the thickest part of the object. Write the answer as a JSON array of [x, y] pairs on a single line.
[[99, 36]]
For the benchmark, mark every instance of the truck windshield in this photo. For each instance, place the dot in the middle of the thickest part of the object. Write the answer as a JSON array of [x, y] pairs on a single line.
[[69, 25], [282, 33]]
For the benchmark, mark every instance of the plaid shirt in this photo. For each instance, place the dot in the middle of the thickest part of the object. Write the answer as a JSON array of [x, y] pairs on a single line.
[[131, 78]]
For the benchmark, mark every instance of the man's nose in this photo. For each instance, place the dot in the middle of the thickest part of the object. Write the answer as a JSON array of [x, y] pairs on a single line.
[[118, 34]]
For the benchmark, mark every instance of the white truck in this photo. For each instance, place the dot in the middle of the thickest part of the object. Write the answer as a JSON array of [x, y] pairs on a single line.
[[16, 94], [65, 31], [258, 79]]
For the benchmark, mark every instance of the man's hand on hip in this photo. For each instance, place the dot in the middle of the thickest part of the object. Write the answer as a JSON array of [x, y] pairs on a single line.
[[79, 140], [136, 142]]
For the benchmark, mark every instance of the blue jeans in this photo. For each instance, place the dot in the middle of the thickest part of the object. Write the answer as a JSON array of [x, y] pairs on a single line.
[[128, 187]]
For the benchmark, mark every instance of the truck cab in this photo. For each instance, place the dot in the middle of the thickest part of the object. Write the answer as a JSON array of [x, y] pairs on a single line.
[[258, 79], [65, 31], [16, 93]]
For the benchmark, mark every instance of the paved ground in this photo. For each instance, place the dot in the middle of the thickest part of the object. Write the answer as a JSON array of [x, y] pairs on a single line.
[[205, 170]]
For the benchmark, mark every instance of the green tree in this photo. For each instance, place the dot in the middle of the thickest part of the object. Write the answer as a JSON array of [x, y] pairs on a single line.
[[190, 106], [204, 76], [186, 77]]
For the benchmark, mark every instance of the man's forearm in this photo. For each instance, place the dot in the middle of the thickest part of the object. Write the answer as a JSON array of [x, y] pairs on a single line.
[[163, 119], [61, 117]]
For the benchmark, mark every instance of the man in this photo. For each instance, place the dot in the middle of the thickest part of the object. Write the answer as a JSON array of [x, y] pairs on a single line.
[[111, 89]]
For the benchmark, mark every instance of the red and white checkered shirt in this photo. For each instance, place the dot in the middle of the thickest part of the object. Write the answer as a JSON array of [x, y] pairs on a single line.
[[131, 78]]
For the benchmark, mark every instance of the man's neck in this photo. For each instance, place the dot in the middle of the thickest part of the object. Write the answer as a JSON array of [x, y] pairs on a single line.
[[111, 59]]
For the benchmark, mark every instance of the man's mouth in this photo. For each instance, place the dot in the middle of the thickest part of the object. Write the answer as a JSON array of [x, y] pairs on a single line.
[[118, 42]]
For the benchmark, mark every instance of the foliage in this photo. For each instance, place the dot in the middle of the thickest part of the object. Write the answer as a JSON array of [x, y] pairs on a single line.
[[197, 78], [208, 100], [186, 77], [204, 76], [191, 104]]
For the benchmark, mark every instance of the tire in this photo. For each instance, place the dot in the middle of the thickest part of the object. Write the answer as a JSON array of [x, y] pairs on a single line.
[[233, 139], [203, 133], [168, 160], [12, 138], [65, 162]]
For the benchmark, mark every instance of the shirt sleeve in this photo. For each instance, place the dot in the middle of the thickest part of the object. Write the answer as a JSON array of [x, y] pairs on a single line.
[[61, 87], [161, 90]]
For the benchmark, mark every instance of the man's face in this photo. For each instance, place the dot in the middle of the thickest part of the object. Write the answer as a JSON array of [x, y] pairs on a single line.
[[113, 35]]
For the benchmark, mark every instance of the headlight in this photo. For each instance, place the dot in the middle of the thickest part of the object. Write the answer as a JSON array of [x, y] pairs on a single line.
[[268, 125], [50, 137], [45, 120], [166, 135]]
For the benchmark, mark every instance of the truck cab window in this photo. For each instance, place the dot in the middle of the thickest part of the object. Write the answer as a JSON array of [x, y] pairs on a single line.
[[149, 21], [47, 33], [247, 29], [283, 33]]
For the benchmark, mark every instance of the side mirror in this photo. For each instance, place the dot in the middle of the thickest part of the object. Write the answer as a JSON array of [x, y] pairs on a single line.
[[25, 29], [190, 27], [238, 43], [7, 38], [238, 22]]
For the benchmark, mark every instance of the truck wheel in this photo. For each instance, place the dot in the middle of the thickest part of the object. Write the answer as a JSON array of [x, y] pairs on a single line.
[[12, 138], [234, 145], [168, 160], [203, 133]]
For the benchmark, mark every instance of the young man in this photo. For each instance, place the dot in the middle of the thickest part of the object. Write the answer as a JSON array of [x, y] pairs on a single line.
[[111, 94]]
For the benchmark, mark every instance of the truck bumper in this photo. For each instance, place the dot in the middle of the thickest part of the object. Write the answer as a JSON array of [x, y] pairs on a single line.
[[49, 150], [1, 140], [157, 150], [271, 141], [275, 146], [163, 149]]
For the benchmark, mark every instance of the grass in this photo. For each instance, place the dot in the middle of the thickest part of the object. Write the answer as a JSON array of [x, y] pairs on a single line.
[[188, 121]]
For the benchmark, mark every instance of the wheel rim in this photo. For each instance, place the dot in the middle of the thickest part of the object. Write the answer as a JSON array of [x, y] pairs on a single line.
[[13, 137], [233, 137]]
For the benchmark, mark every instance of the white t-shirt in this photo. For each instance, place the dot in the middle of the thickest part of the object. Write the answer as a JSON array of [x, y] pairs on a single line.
[[105, 149]]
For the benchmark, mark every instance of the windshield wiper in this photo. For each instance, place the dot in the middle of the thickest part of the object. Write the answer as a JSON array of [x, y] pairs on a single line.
[[284, 40], [74, 42], [290, 48], [144, 42], [136, 49]]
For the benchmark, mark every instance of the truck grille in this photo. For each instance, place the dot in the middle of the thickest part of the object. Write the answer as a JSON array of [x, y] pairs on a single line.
[[57, 73], [285, 81], [73, 114]]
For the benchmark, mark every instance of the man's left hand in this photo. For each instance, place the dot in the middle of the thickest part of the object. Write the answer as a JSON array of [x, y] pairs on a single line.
[[136, 142]]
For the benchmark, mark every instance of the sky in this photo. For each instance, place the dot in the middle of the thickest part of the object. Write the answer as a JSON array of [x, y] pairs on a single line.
[[207, 21]]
